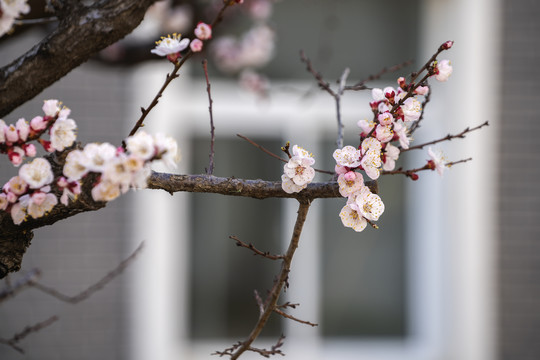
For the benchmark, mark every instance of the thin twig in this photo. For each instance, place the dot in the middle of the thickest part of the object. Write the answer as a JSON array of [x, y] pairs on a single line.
[[250, 246], [12, 342], [323, 84], [263, 149], [85, 294], [284, 314], [410, 173], [448, 137], [270, 305], [210, 169], [170, 77], [361, 84]]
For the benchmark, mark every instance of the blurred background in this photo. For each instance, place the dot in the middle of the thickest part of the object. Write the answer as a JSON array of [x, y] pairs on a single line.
[[452, 271]]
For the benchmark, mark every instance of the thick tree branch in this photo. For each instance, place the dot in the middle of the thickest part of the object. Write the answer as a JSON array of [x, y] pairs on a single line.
[[14, 239], [82, 33]]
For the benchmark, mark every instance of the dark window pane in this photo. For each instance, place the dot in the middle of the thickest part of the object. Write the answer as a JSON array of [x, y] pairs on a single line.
[[223, 276], [364, 277]]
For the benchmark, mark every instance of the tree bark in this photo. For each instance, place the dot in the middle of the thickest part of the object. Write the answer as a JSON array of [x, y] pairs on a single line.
[[81, 32]]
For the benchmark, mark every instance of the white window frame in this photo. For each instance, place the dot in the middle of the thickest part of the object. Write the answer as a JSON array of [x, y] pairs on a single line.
[[451, 256]]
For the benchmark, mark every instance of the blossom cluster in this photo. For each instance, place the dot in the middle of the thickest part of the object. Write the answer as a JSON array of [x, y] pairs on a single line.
[[297, 173], [9, 11], [36, 190], [172, 45], [394, 109], [15, 138]]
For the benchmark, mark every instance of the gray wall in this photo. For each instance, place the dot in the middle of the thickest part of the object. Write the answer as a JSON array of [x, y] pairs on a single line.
[[77, 252], [519, 194]]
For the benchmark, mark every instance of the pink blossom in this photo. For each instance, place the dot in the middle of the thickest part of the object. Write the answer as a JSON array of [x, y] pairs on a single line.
[[366, 126], [384, 133], [23, 129], [203, 31], [196, 45], [12, 135], [444, 70], [29, 150], [16, 185], [340, 169], [38, 123], [16, 155], [412, 109], [385, 118], [349, 185], [37, 174]]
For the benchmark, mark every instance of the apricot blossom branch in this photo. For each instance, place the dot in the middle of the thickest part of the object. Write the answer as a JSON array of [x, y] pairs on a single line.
[[263, 149], [448, 137], [174, 74]]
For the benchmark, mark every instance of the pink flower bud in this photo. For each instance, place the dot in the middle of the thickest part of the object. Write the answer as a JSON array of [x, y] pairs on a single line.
[[23, 129], [46, 145], [196, 45], [203, 31], [16, 155], [29, 150], [401, 82], [350, 176], [62, 182], [12, 136], [447, 45], [38, 123]]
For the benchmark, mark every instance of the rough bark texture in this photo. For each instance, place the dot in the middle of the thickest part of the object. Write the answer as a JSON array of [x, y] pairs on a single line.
[[81, 32]]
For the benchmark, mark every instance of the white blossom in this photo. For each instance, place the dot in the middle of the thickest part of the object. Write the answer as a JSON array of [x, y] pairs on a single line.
[[170, 45], [98, 155], [76, 165], [63, 133], [40, 203], [142, 145], [350, 217], [412, 109], [37, 174], [369, 205], [105, 191], [348, 156], [289, 186]]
